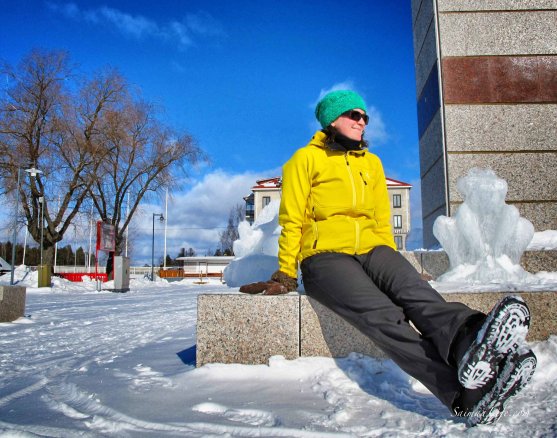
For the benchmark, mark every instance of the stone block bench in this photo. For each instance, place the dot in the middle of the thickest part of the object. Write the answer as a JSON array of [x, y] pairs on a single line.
[[248, 329], [238, 328], [12, 302]]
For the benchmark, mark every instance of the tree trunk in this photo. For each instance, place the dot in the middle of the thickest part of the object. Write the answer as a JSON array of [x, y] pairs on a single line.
[[48, 254]]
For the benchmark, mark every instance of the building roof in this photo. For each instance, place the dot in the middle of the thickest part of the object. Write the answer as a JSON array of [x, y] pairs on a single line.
[[395, 183], [269, 183]]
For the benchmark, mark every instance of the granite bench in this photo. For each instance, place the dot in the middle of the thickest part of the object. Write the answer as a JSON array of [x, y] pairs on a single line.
[[248, 329]]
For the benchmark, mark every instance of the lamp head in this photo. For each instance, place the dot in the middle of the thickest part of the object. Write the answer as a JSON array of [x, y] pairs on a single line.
[[33, 171]]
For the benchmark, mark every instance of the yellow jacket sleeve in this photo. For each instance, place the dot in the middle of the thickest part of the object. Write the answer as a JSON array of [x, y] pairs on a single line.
[[296, 186]]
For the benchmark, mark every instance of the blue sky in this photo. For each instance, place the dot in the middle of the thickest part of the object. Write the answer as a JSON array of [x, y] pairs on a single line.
[[243, 78]]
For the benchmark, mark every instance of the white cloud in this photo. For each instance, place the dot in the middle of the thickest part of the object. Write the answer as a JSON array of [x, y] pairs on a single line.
[[196, 216], [182, 33], [70, 9], [203, 23], [376, 131], [346, 85], [135, 26]]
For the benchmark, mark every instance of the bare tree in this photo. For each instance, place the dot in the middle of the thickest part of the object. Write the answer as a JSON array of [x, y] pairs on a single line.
[[230, 234], [43, 125], [92, 140], [140, 155]]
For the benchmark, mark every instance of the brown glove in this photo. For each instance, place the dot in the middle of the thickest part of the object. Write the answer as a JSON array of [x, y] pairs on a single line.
[[279, 284], [267, 287], [291, 284]]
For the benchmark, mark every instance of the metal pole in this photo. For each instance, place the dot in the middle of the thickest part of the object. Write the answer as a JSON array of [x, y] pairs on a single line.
[[153, 250], [25, 245], [75, 253], [128, 227], [166, 216], [90, 240], [161, 216], [42, 227], [56, 244], [15, 228]]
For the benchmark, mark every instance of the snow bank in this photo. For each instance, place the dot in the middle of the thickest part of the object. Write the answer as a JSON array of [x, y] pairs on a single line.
[[256, 250], [544, 240], [103, 364]]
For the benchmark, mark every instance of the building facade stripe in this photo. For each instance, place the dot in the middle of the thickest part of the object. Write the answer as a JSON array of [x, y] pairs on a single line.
[[428, 101], [500, 79]]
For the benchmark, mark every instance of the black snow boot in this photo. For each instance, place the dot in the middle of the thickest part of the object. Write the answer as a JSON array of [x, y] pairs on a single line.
[[503, 331], [517, 370], [465, 405]]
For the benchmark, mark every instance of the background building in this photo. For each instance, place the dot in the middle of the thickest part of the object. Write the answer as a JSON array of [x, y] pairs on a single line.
[[486, 81], [399, 195], [267, 190], [263, 192]]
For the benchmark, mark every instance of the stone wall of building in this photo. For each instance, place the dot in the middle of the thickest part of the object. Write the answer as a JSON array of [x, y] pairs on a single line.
[[486, 80]]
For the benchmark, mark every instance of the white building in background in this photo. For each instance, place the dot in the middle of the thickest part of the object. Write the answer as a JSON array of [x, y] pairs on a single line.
[[262, 193], [267, 190]]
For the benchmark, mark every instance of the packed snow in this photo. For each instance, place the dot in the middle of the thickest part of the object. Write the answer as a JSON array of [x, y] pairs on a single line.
[[88, 363], [256, 249], [543, 240], [92, 363]]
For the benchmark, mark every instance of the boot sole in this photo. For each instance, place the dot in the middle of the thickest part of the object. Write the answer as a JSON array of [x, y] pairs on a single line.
[[505, 328], [516, 374]]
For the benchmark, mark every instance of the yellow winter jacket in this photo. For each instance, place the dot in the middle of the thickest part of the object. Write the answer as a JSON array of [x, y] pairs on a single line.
[[332, 201]]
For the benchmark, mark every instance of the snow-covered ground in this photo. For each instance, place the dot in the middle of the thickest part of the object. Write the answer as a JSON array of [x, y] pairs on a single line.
[[87, 363]]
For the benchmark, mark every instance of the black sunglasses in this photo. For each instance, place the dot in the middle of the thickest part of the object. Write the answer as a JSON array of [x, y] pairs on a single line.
[[356, 116]]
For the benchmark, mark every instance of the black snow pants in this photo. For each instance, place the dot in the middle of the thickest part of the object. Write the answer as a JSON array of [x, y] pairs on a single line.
[[379, 293]]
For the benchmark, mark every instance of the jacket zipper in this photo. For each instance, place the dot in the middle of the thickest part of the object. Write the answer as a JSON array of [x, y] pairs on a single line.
[[363, 189], [351, 180], [315, 229], [356, 224]]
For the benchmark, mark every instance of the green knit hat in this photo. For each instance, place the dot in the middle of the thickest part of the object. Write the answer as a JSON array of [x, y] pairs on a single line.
[[336, 103]]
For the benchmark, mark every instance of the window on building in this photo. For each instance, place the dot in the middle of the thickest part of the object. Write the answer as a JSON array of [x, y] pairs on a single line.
[[397, 201], [397, 221], [398, 242], [250, 210], [266, 201]]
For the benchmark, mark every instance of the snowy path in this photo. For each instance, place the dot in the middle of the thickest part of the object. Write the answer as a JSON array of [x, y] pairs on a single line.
[[84, 363]]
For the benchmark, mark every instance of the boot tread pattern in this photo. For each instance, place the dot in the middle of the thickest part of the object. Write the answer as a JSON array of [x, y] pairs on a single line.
[[516, 374], [504, 330]]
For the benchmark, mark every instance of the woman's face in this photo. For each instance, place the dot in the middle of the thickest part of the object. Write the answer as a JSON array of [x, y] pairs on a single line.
[[352, 129]]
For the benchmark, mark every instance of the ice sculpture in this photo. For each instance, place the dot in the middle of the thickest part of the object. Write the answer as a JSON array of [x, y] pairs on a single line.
[[486, 237]]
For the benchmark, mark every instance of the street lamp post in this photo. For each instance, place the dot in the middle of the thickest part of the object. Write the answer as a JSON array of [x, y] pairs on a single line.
[[15, 227], [161, 218], [33, 172]]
